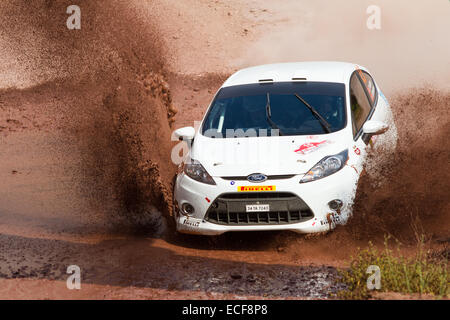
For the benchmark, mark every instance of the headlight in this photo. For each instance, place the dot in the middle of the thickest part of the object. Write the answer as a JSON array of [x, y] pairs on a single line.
[[326, 167], [195, 170]]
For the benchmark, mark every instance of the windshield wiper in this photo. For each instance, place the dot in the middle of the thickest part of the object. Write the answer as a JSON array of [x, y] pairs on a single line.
[[269, 116], [323, 122]]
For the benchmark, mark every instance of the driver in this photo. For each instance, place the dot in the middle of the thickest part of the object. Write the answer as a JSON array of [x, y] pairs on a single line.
[[329, 111], [254, 109]]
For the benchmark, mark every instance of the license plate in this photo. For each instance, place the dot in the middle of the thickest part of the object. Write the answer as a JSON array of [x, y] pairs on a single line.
[[257, 207]]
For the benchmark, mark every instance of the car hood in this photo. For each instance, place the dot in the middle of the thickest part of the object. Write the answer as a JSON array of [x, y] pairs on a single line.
[[283, 155]]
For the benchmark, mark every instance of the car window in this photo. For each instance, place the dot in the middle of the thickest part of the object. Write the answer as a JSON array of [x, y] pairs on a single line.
[[360, 106], [243, 108], [369, 84]]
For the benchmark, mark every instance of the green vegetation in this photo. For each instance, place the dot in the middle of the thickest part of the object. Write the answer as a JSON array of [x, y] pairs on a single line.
[[419, 274]]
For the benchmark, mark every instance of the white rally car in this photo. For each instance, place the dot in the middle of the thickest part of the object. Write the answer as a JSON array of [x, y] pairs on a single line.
[[281, 147]]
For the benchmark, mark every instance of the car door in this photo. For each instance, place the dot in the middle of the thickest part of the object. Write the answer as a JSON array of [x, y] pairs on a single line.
[[383, 146], [386, 142], [363, 106]]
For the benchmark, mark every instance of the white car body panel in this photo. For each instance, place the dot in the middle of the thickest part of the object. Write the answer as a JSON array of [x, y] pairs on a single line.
[[283, 155]]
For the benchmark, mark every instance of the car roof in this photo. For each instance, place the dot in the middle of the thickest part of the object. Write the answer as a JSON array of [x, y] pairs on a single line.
[[325, 71]]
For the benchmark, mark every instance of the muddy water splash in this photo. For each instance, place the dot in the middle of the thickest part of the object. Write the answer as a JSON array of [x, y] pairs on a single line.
[[105, 92], [409, 197]]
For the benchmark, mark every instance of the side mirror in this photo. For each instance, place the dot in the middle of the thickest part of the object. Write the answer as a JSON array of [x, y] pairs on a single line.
[[375, 127], [186, 133]]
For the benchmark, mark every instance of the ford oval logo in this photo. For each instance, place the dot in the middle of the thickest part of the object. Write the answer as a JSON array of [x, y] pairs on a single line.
[[257, 177]]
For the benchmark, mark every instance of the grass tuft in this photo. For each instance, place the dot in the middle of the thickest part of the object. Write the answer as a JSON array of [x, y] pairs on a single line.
[[419, 274]]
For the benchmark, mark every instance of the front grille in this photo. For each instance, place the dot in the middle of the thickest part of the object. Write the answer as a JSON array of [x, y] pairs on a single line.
[[256, 195], [285, 208]]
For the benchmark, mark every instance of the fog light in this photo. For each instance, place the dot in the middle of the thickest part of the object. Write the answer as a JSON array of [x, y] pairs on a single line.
[[187, 209], [335, 204]]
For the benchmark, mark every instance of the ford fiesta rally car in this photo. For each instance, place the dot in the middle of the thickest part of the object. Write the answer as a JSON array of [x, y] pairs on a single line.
[[281, 147]]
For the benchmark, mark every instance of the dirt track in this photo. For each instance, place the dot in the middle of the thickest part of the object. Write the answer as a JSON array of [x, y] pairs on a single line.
[[85, 124]]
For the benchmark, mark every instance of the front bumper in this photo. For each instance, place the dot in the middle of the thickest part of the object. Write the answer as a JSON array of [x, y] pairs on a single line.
[[314, 195]]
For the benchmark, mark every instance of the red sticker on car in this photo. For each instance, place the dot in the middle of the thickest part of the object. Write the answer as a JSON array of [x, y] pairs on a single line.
[[309, 147]]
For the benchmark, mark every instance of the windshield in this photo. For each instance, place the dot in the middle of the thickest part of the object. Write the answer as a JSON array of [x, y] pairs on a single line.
[[256, 109]]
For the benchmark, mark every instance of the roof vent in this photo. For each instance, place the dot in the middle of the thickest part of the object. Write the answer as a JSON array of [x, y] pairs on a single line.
[[300, 75], [265, 80], [267, 76]]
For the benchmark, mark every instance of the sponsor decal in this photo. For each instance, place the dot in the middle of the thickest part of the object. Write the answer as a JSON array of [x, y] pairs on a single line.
[[357, 151], [255, 188], [232, 183], [310, 147], [186, 222], [331, 218], [207, 199]]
